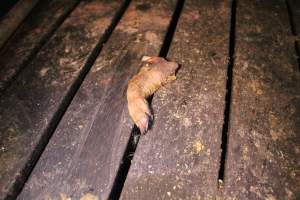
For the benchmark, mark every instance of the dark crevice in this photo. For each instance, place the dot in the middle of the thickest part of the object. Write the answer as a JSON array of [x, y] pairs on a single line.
[[24, 18], [26, 171], [171, 30], [6, 6], [293, 30], [297, 44], [125, 165], [135, 132], [36, 49], [291, 19], [229, 91]]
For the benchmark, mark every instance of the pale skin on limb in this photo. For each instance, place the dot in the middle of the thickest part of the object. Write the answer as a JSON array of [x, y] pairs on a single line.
[[154, 73]]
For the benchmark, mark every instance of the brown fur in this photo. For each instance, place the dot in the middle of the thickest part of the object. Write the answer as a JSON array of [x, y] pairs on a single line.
[[155, 72]]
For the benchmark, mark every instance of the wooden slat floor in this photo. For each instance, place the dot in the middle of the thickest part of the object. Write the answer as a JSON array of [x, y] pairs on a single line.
[[227, 128]]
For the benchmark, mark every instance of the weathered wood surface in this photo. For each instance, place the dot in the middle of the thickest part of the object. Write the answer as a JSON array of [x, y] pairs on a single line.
[[179, 158], [86, 150], [294, 6], [31, 107], [14, 18], [263, 151], [35, 30]]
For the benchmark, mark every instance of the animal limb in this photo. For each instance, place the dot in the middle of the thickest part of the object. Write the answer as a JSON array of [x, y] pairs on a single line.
[[154, 73]]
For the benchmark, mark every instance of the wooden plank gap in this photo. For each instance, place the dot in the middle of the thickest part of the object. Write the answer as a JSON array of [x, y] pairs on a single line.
[[293, 9], [72, 92], [135, 133], [94, 132], [263, 145], [33, 106], [228, 93], [35, 31], [179, 157], [14, 18]]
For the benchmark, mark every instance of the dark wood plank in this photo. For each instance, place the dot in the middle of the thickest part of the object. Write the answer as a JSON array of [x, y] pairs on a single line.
[[37, 28], [86, 150], [32, 106], [14, 18], [294, 8], [263, 151], [179, 158]]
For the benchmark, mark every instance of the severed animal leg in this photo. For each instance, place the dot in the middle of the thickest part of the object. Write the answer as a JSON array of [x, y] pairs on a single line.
[[154, 73]]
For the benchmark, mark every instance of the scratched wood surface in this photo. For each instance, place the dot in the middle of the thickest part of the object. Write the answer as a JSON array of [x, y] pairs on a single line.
[[179, 158], [95, 130], [263, 149], [35, 30], [31, 107]]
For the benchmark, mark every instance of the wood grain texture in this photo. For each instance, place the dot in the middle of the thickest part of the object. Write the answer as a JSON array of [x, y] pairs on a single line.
[[31, 107], [179, 158], [14, 18], [263, 151], [86, 150], [35, 31]]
